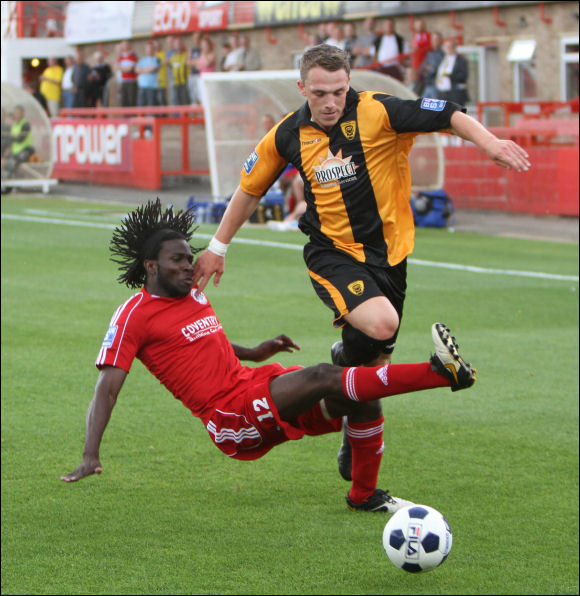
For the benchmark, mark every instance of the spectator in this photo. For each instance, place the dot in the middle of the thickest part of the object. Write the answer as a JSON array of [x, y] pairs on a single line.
[[33, 89], [389, 50], [365, 41], [193, 76], [146, 69], [349, 41], [430, 65], [161, 91], [322, 33], [68, 88], [335, 35], [250, 59], [233, 60], [51, 85], [19, 149], [207, 60], [7, 121], [310, 40], [80, 79], [421, 45], [178, 66], [98, 77], [226, 50], [451, 81], [126, 64]]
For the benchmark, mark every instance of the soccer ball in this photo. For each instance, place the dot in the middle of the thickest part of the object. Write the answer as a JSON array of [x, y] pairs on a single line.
[[417, 538]]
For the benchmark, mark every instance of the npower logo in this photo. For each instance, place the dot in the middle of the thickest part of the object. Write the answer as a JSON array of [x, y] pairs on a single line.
[[92, 143]]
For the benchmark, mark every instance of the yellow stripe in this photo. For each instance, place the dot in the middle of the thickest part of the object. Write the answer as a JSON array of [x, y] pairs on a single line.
[[335, 295]]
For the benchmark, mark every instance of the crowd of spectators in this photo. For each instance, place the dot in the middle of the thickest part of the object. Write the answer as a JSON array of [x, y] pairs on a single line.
[[427, 63], [168, 71]]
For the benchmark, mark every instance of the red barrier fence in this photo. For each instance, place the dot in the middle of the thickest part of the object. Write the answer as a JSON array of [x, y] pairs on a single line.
[[139, 146], [130, 146], [549, 187]]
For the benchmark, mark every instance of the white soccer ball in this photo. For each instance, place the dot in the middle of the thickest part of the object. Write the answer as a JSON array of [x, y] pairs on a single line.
[[417, 538]]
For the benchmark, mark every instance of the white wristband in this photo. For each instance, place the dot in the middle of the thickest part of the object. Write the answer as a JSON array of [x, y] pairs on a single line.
[[218, 248]]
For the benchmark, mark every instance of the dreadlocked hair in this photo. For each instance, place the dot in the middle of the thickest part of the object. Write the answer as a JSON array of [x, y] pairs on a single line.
[[140, 237]]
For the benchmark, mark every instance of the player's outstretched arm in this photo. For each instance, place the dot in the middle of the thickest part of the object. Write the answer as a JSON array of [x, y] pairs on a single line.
[[266, 349], [507, 154], [212, 261], [107, 389]]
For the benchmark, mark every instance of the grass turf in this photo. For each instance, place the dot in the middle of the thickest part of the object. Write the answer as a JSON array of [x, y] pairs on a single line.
[[171, 515]]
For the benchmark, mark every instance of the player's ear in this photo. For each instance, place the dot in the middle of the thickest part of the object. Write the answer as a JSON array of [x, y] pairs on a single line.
[[302, 88], [150, 266]]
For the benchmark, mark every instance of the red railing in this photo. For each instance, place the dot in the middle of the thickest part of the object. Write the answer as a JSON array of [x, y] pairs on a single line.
[[149, 148], [527, 109]]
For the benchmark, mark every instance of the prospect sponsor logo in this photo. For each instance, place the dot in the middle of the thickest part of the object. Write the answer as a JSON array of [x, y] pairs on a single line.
[[333, 169]]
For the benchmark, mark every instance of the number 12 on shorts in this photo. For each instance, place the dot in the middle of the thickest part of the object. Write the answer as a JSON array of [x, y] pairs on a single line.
[[260, 405]]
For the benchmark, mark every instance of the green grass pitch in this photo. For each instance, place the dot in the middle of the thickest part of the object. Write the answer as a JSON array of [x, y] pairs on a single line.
[[171, 515]]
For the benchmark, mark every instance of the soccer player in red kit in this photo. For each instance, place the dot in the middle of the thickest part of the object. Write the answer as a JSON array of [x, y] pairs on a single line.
[[171, 327]]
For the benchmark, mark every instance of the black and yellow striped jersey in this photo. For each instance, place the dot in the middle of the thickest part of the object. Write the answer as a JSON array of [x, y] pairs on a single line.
[[357, 177]]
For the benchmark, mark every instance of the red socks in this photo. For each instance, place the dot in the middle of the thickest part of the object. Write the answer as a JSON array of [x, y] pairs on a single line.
[[363, 383], [366, 440]]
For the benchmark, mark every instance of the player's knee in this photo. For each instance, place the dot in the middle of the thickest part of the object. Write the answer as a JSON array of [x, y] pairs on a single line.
[[359, 348], [382, 329]]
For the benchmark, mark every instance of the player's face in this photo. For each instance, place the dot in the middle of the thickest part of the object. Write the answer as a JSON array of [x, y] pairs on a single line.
[[326, 92], [174, 271]]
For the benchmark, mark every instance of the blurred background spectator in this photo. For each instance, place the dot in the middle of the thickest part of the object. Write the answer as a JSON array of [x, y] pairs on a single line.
[[161, 90], [430, 65], [193, 74], [146, 69], [51, 85], [451, 81], [19, 149], [126, 64], [364, 41], [80, 78], [335, 35], [68, 88], [349, 31], [233, 59], [178, 65], [421, 47], [99, 74], [33, 89], [250, 59]]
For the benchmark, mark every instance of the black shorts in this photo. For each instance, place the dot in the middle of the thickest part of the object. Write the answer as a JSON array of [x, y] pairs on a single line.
[[343, 283]]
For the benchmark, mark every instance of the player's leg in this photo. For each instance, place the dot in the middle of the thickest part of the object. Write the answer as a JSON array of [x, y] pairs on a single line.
[[369, 335], [353, 391]]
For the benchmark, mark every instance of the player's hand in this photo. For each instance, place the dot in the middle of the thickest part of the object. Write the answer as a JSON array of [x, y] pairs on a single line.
[[509, 155], [268, 348], [88, 467], [206, 265]]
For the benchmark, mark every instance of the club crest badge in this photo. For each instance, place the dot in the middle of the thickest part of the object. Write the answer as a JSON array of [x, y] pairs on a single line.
[[349, 129], [357, 287]]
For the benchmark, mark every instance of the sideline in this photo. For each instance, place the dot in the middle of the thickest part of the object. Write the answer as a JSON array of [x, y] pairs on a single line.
[[470, 268]]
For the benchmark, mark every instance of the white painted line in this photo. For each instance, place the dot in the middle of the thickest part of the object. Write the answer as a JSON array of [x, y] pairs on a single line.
[[469, 268]]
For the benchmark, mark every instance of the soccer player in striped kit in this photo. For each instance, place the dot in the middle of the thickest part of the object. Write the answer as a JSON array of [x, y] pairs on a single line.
[[171, 327], [351, 149]]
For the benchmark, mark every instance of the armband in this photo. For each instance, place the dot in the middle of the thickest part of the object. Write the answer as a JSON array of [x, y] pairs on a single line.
[[218, 248]]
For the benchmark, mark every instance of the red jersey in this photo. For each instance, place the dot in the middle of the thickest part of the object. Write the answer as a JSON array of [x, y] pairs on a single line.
[[421, 47], [125, 60], [182, 343]]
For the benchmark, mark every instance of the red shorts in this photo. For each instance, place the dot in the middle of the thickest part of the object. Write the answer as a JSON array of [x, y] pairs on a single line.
[[248, 425]]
